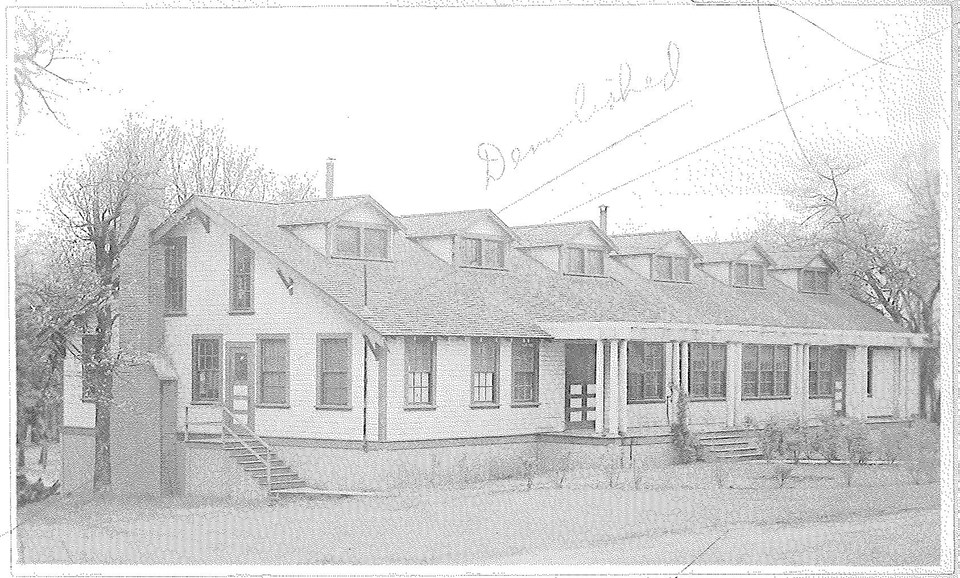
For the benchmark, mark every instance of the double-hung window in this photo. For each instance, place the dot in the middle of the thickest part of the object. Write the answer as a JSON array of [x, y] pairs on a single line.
[[485, 362], [765, 371], [361, 241], [584, 261], [175, 276], [827, 367], [333, 372], [89, 356], [747, 275], [274, 386], [645, 371], [241, 277], [486, 253], [708, 370], [671, 268], [814, 281], [207, 368], [526, 366], [420, 382]]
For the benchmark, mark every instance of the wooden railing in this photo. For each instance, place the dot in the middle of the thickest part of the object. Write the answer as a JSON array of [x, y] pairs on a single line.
[[227, 422]]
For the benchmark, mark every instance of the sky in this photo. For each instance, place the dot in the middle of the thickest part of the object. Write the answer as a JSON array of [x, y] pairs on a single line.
[[670, 115]]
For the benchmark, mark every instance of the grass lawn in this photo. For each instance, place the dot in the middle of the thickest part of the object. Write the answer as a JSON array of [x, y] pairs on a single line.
[[673, 515]]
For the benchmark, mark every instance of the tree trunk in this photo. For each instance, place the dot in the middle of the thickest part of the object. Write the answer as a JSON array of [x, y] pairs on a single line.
[[44, 449], [21, 456], [101, 445]]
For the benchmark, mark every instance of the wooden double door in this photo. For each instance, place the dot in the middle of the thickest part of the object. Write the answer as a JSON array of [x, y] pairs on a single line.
[[580, 405]]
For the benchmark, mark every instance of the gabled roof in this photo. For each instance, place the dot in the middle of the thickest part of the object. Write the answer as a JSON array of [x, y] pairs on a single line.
[[328, 210], [450, 223], [651, 242], [799, 259], [552, 234], [725, 251]]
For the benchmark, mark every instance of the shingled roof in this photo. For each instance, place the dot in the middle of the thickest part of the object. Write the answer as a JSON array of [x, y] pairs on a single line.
[[448, 223], [723, 251], [650, 242], [552, 234], [798, 259], [417, 293]]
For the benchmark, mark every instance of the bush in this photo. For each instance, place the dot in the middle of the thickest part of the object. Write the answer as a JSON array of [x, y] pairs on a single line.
[[782, 473], [856, 440], [721, 474], [797, 438], [828, 440], [770, 438], [848, 471], [563, 468], [610, 464], [689, 447]]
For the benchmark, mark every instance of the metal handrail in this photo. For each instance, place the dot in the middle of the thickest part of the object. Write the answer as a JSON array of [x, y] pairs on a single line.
[[265, 459]]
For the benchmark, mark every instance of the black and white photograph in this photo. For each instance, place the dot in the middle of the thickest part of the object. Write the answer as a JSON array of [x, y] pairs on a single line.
[[481, 288]]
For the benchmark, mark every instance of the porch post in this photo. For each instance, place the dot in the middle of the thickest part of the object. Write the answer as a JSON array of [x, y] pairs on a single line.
[[622, 386], [599, 389], [900, 405], [613, 387], [684, 367], [804, 381], [734, 385], [856, 390], [797, 398], [674, 379]]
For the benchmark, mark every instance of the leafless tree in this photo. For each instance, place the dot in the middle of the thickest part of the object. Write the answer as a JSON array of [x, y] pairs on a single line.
[[44, 65]]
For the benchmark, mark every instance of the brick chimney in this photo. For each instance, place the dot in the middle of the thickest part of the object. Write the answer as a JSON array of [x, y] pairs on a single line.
[[329, 183], [603, 218]]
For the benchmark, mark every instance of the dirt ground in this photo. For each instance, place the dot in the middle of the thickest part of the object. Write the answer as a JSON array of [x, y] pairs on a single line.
[[700, 514]]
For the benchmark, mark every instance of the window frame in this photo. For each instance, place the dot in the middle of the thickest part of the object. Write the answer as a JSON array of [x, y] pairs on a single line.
[[751, 267], [86, 393], [660, 393], [235, 245], [584, 250], [195, 399], [431, 403], [516, 346], [362, 227], [178, 245], [817, 271], [323, 338], [673, 259], [476, 346], [262, 338], [838, 360], [483, 243], [775, 374], [710, 348]]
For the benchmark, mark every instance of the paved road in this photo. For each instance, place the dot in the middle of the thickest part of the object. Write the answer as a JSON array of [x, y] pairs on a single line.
[[903, 539]]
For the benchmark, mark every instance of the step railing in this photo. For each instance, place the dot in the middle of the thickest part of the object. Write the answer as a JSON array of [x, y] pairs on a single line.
[[227, 422]]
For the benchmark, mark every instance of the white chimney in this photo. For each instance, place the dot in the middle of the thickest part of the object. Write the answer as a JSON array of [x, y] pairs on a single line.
[[329, 183], [603, 218]]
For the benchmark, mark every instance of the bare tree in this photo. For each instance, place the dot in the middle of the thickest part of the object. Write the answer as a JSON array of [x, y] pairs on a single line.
[[43, 65]]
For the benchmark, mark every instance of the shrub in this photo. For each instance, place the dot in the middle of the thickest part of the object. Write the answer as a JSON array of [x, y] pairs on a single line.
[[828, 440], [721, 474], [855, 437], [848, 471], [782, 473], [637, 476], [770, 438], [610, 464], [531, 465], [689, 447], [796, 440], [563, 468]]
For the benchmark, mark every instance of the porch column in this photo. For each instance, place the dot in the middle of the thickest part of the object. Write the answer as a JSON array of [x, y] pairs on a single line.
[[804, 381], [673, 381], [734, 381], [855, 395], [622, 387], [684, 367], [613, 387], [797, 396], [599, 390], [901, 408]]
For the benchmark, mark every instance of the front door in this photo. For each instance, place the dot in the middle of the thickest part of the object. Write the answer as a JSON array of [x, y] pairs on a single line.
[[581, 378], [882, 375], [240, 390]]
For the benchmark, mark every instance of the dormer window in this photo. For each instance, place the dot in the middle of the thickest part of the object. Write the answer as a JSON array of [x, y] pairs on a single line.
[[814, 281], [484, 253], [670, 268], [747, 275], [361, 241], [584, 261]]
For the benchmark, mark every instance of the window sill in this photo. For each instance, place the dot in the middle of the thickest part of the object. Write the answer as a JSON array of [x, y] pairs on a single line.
[[645, 401], [687, 281], [807, 292], [174, 313], [484, 267], [747, 286], [699, 399], [593, 275], [333, 407], [358, 258], [525, 404], [246, 312], [820, 397], [767, 398], [205, 402], [484, 405], [419, 407], [273, 406], [87, 400]]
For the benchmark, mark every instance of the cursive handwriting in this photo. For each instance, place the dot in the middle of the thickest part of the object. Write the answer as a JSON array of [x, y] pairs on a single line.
[[618, 91]]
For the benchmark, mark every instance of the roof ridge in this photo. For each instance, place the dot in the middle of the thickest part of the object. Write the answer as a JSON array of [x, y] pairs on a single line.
[[325, 199], [552, 224], [435, 213], [660, 232], [222, 198]]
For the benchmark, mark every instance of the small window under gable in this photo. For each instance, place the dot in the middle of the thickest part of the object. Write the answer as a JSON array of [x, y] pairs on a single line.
[[815, 281], [671, 268], [486, 253], [747, 274], [361, 241], [585, 261]]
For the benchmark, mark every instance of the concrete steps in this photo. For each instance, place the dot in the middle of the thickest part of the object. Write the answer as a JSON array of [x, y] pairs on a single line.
[[253, 455], [736, 445]]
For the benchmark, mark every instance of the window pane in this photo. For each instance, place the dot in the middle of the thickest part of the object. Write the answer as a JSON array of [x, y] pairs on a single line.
[[206, 369], [594, 264], [486, 351], [663, 268], [346, 241], [241, 286], [274, 378], [492, 253], [175, 275], [472, 252], [756, 275], [575, 260], [375, 243], [820, 281], [681, 269], [741, 275]]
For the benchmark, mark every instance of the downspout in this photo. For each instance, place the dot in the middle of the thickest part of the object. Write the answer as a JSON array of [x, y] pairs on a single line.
[[366, 352]]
